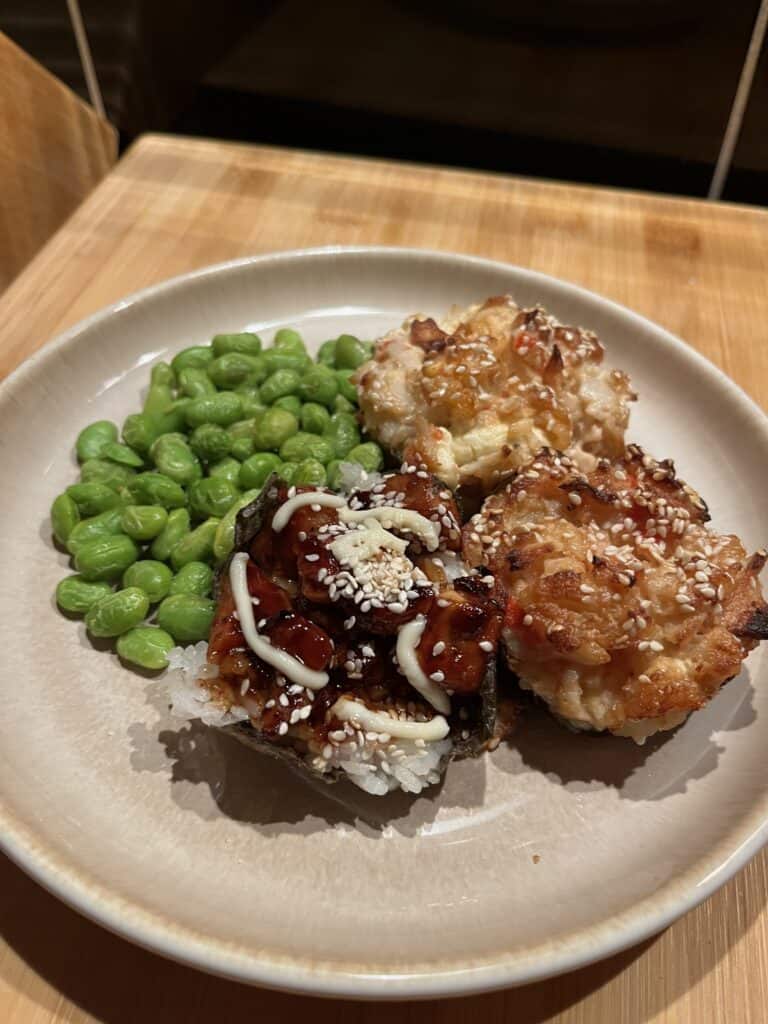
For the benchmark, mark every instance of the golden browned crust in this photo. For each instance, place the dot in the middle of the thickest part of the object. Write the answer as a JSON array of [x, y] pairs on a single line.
[[622, 604], [478, 395]]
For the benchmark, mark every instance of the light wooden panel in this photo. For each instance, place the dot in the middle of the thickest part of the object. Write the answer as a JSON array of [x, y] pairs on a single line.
[[53, 150], [172, 205]]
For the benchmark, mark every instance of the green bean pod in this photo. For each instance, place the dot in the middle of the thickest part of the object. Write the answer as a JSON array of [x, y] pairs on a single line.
[[116, 613], [146, 646]]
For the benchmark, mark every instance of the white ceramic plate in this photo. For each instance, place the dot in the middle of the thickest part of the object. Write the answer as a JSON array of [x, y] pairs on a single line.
[[553, 852]]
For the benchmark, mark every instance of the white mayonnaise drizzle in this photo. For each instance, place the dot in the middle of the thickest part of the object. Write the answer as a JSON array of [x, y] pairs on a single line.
[[283, 515], [347, 710], [408, 637], [392, 517], [388, 515], [284, 662]]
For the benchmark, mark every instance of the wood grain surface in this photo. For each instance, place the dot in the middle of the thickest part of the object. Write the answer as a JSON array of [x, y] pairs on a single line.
[[53, 150], [172, 205]]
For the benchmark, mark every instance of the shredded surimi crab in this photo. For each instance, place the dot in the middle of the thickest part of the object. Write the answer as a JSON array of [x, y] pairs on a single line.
[[625, 612], [477, 396]]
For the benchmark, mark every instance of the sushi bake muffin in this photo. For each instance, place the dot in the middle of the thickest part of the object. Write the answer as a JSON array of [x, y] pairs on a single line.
[[349, 637], [477, 395], [625, 611]]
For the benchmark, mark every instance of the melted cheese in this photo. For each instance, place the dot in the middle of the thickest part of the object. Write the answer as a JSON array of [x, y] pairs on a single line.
[[284, 662], [283, 515], [347, 710], [408, 637]]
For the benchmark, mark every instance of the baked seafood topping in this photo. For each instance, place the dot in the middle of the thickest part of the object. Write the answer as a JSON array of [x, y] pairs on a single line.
[[625, 611], [477, 395]]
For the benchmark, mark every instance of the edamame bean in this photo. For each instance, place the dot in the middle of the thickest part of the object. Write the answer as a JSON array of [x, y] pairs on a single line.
[[288, 340], [151, 576], [175, 528], [195, 382], [224, 540], [275, 360], [227, 469], [333, 473], [314, 418], [223, 408], [106, 558], [197, 356], [107, 524], [92, 439], [233, 368], [306, 446], [367, 455], [346, 387], [139, 431], [327, 353], [342, 404], [143, 522], [278, 384], [319, 384], [253, 407], [350, 352], [213, 495], [162, 375], [255, 470], [175, 459], [101, 471], [244, 341], [146, 646], [243, 428], [117, 613], [291, 403], [152, 488], [122, 455], [286, 471], [65, 516], [310, 471], [242, 448], [187, 617], [196, 546], [274, 428], [158, 401], [76, 595], [193, 578], [93, 498], [210, 442], [343, 433]]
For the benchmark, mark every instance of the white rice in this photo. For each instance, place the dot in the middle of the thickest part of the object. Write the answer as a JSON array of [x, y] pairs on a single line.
[[376, 765], [353, 477]]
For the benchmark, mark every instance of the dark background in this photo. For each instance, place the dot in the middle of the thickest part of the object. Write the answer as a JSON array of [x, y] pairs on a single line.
[[632, 93]]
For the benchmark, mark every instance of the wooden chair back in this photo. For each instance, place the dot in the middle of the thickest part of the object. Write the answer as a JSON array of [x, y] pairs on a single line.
[[54, 149]]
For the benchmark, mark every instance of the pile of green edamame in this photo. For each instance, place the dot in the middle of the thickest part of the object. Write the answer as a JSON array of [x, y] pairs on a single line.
[[155, 512]]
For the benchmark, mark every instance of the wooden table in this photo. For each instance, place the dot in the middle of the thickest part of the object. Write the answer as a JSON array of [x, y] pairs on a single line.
[[172, 205]]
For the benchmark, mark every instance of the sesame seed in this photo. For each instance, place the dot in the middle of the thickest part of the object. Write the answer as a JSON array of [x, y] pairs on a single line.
[[312, 558], [656, 646], [437, 677], [527, 620], [438, 648], [282, 728], [574, 498], [302, 535]]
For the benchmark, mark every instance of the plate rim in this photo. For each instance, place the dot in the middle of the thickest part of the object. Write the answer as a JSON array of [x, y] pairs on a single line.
[[148, 929]]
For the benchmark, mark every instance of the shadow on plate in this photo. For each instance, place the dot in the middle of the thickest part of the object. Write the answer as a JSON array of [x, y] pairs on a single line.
[[665, 764], [212, 773]]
